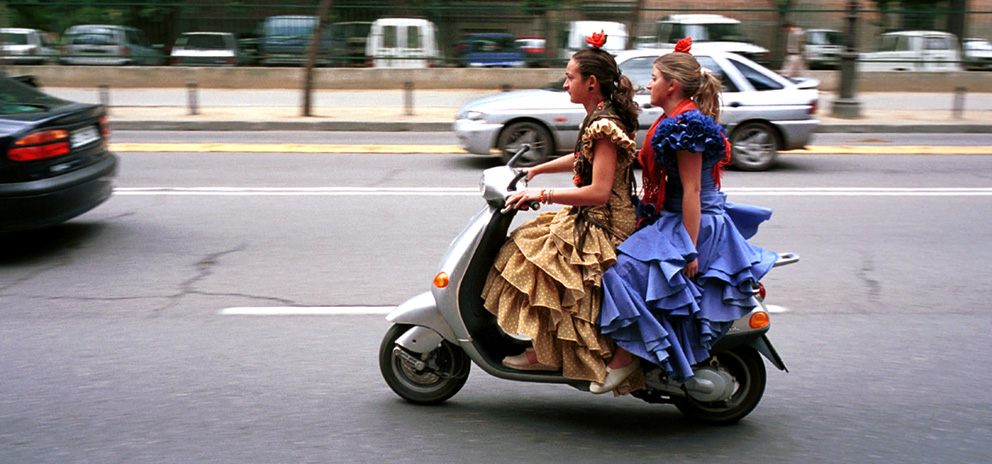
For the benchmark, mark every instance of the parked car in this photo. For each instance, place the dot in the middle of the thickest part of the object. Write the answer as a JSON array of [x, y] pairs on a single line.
[[720, 32], [534, 48], [492, 51], [350, 40], [402, 43], [206, 49], [25, 46], [977, 54], [762, 112], [823, 48], [575, 33], [54, 162], [109, 45], [283, 40], [913, 51]]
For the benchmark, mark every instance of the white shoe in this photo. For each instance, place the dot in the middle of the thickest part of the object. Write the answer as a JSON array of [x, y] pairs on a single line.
[[614, 377]]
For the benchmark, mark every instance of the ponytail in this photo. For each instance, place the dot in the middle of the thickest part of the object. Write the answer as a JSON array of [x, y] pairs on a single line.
[[698, 83], [623, 102], [707, 98]]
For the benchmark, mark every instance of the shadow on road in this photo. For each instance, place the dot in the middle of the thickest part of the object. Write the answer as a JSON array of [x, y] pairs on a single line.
[[32, 245]]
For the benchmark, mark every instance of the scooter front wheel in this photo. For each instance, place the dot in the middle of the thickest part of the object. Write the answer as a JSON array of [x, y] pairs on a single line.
[[428, 378], [748, 370]]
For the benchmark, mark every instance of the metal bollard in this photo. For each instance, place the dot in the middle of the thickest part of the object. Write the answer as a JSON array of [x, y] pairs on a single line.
[[408, 97], [192, 98], [958, 110], [104, 92]]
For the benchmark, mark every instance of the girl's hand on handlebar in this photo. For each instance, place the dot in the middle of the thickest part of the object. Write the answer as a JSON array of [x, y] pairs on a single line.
[[530, 174], [522, 199]]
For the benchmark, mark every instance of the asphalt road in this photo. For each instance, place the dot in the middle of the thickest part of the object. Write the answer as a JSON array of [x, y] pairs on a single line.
[[115, 347]]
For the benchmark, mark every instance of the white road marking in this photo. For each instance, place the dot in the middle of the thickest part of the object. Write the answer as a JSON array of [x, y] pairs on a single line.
[[444, 191], [293, 191], [307, 311], [776, 309]]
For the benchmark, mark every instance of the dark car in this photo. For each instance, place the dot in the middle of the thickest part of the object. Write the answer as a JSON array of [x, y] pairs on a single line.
[[492, 51], [54, 162]]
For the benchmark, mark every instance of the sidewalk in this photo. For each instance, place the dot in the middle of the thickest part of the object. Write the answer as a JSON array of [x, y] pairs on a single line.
[[231, 110]]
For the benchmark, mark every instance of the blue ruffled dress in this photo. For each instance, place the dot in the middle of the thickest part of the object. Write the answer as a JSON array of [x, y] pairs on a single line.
[[649, 307]]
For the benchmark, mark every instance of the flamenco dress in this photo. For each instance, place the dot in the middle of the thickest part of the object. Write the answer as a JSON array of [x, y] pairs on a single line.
[[546, 280], [650, 308]]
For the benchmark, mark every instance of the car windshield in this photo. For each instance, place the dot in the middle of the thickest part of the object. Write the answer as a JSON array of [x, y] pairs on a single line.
[[716, 33], [204, 42], [825, 38], [14, 38], [16, 97], [493, 44], [93, 38], [978, 45]]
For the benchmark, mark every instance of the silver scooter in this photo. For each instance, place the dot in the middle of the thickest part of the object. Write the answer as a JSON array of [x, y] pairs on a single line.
[[426, 355]]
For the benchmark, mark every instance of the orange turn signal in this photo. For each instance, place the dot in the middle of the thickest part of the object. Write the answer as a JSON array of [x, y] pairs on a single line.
[[441, 280], [759, 320]]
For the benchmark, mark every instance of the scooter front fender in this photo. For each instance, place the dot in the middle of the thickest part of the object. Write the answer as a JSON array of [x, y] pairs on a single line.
[[421, 311]]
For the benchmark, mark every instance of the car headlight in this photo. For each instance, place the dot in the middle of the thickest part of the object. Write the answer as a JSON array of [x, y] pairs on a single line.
[[473, 116]]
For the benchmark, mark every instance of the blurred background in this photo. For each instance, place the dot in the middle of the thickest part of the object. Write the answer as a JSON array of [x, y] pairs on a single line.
[[485, 33]]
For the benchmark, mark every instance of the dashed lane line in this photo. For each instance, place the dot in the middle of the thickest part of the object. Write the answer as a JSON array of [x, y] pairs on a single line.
[[465, 191]]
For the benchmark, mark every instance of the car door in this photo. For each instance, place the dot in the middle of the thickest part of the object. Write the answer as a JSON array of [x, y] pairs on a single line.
[[939, 53]]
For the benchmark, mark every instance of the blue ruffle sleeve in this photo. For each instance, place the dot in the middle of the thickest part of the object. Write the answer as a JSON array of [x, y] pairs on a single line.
[[690, 131]]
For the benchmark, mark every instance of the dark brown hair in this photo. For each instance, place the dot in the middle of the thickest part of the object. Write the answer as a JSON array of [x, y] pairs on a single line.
[[614, 86]]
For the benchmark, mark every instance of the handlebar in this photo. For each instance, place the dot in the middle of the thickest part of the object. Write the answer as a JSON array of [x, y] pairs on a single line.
[[533, 205]]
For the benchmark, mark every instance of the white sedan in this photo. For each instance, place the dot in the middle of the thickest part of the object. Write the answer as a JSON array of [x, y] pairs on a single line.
[[762, 112]]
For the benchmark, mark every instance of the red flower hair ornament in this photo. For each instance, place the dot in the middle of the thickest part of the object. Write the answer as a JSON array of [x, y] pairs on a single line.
[[684, 45], [597, 39]]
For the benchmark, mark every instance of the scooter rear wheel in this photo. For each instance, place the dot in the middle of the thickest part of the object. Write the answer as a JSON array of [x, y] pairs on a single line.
[[444, 373], [746, 366]]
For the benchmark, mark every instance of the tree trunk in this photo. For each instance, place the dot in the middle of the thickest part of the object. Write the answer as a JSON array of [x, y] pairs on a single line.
[[312, 50]]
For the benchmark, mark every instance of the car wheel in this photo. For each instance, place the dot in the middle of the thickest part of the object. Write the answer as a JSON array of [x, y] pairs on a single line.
[[754, 146], [525, 132]]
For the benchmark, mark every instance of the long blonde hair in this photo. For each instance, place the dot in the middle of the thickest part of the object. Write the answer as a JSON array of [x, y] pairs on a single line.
[[698, 83]]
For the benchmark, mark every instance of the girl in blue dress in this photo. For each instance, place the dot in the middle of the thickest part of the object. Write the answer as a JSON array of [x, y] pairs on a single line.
[[683, 278]]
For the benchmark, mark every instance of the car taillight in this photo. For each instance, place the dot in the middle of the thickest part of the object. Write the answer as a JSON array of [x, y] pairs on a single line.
[[40, 145], [174, 60], [229, 61], [126, 51], [813, 106], [105, 128]]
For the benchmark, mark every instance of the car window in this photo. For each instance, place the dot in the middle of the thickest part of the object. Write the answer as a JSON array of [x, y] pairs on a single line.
[[205, 42], [93, 38], [710, 64], [757, 79], [938, 43], [721, 33], [389, 36], [16, 97], [413, 37], [902, 45], [638, 70], [14, 38]]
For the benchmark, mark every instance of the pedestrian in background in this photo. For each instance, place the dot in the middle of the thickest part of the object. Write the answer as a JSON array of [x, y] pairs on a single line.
[[794, 65]]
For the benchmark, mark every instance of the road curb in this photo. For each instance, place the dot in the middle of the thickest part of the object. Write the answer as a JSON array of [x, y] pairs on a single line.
[[372, 126], [251, 126]]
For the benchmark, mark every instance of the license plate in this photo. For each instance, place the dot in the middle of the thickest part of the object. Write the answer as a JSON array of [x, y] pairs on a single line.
[[84, 136]]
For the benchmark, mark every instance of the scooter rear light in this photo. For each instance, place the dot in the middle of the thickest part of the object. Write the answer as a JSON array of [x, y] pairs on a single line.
[[759, 320], [761, 290], [441, 280]]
